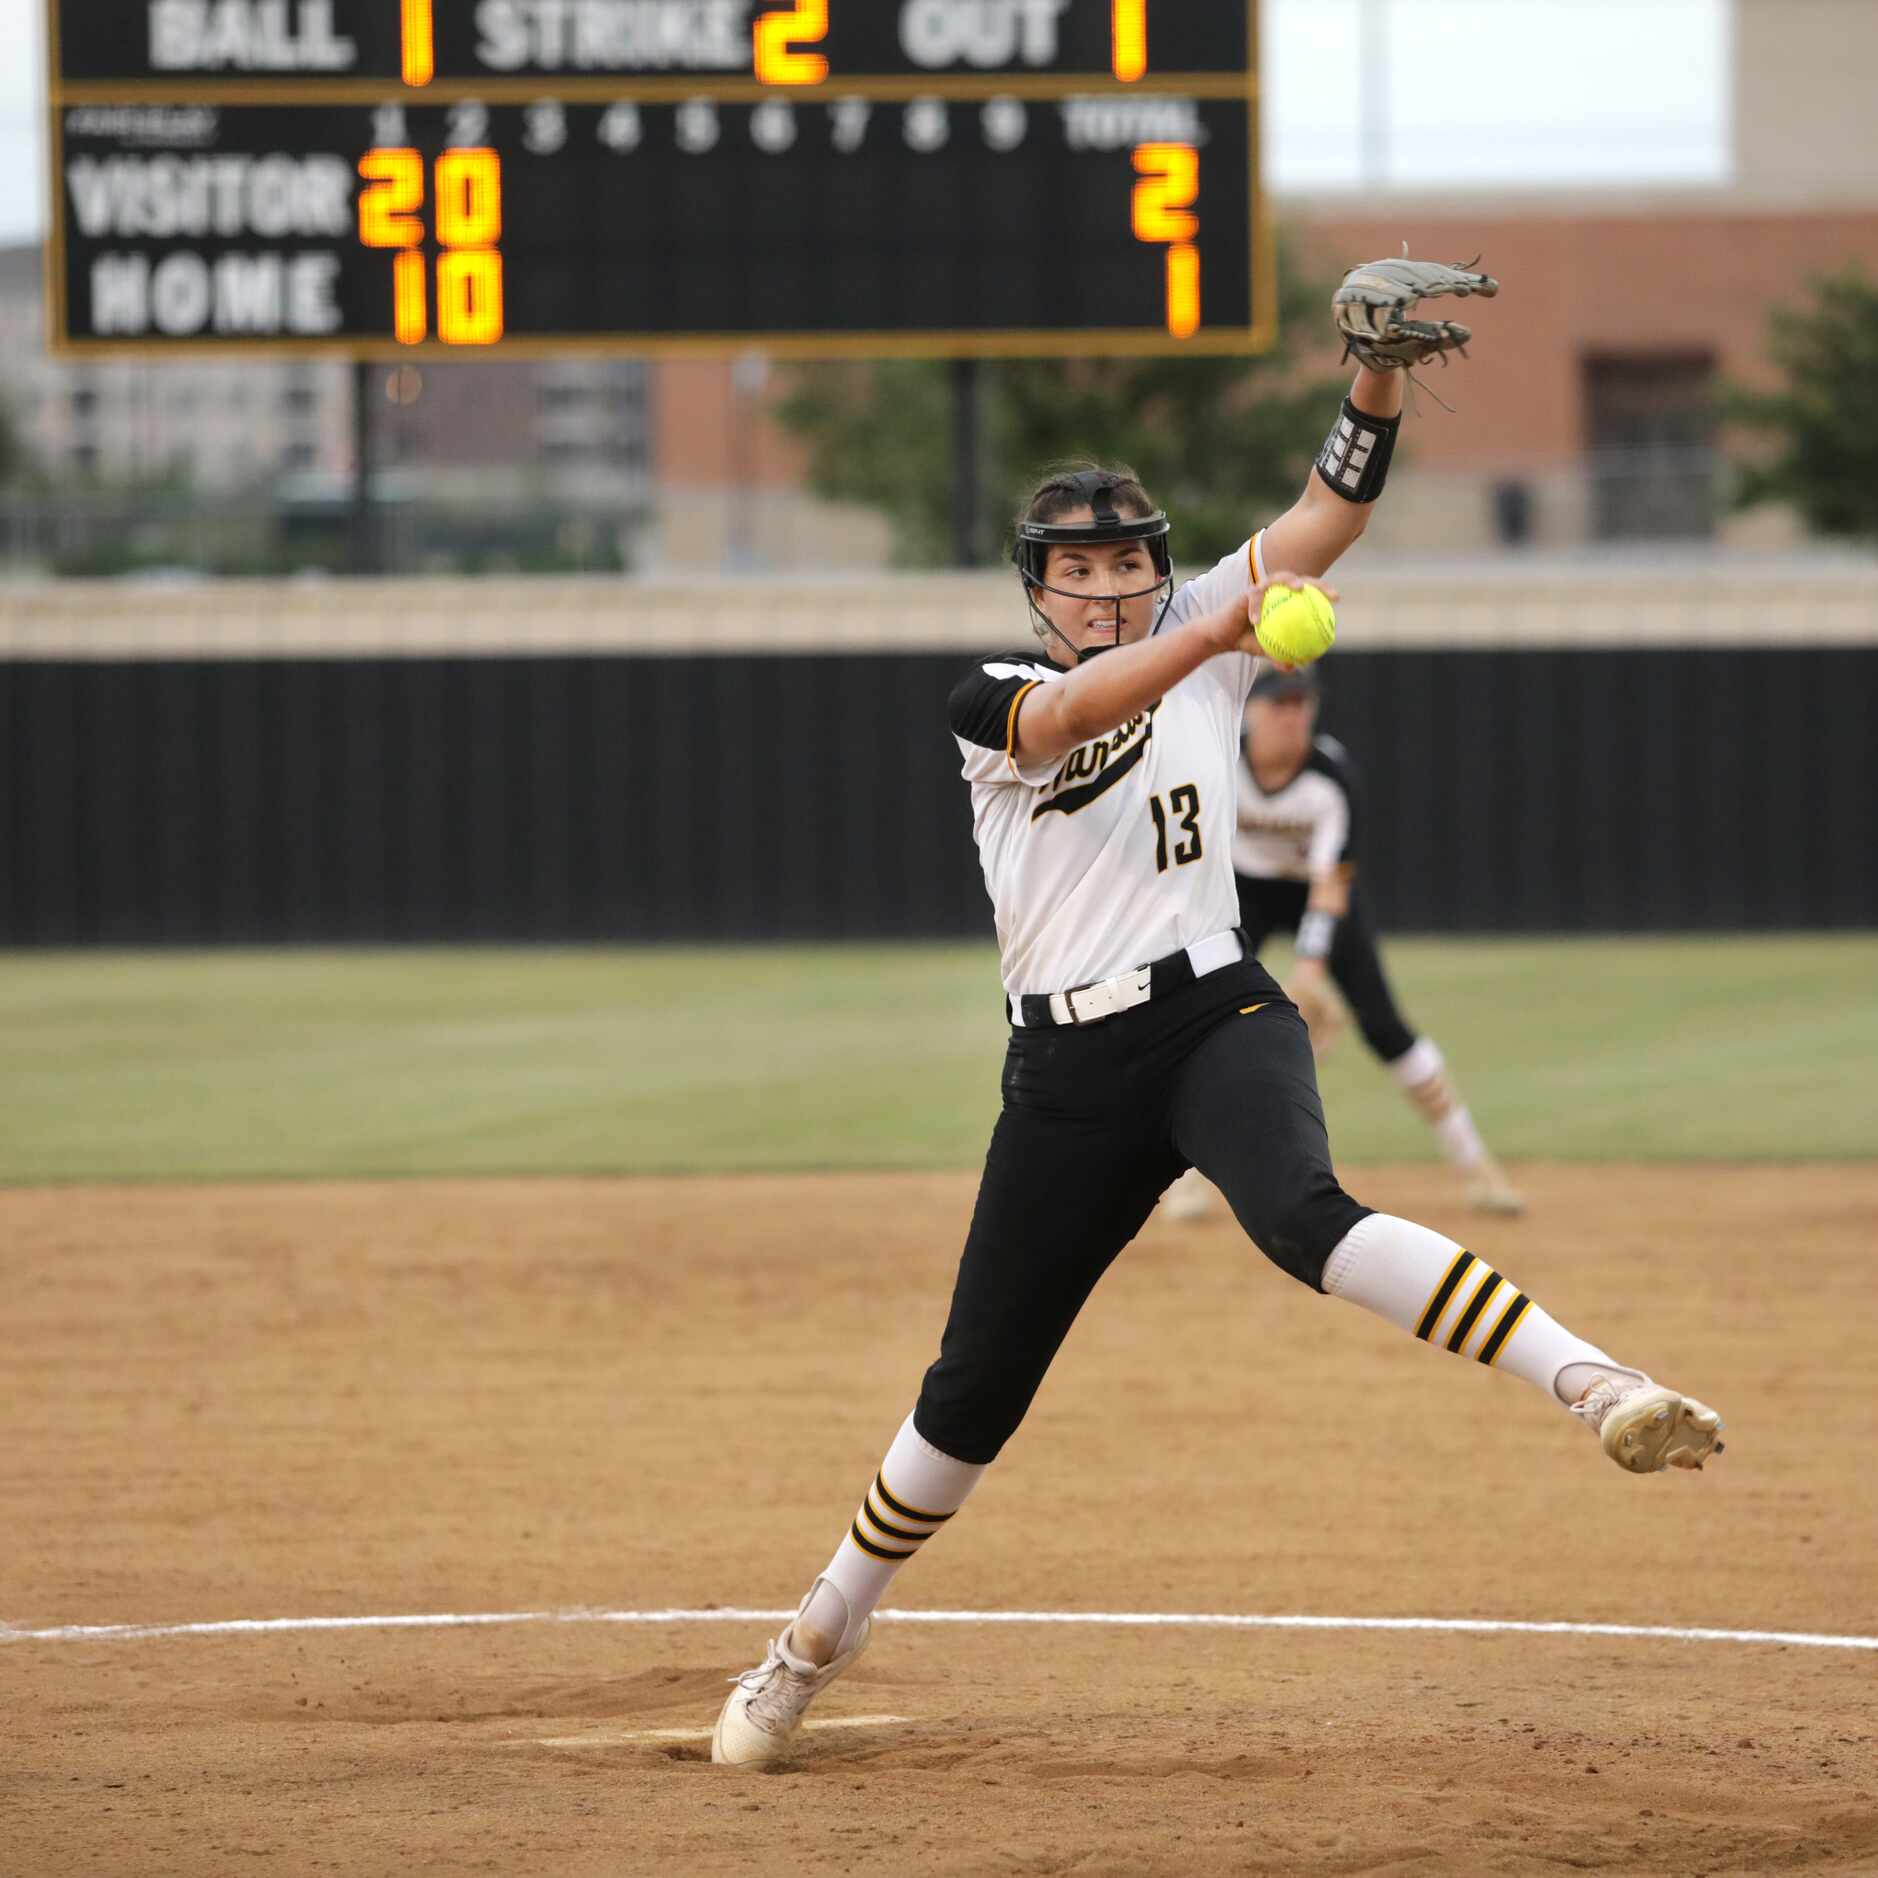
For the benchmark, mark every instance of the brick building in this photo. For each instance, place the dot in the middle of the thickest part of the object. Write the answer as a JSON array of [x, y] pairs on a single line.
[[1585, 414]]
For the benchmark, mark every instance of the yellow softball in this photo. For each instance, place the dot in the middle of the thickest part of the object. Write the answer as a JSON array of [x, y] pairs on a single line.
[[1296, 625]]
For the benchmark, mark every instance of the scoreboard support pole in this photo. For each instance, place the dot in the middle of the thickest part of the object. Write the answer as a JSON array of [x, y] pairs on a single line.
[[364, 518], [965, 376]]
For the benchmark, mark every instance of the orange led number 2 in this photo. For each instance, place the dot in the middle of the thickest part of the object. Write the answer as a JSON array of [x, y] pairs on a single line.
[[467, 224], [775, 36], [1167, 186]]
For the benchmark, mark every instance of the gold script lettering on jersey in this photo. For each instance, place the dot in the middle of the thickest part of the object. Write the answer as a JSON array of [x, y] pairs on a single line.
[[1091, 759]]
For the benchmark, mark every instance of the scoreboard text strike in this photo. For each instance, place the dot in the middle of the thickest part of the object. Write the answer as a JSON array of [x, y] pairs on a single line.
[[830, 177]]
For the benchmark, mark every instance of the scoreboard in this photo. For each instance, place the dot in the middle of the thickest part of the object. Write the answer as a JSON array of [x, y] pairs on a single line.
[[832, 177]]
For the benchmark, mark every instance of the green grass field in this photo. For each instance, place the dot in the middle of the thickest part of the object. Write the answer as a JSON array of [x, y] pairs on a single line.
[[320, 1064]]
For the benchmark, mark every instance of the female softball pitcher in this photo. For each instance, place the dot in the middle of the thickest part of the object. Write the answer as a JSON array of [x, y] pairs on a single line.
[[1144, 1038]]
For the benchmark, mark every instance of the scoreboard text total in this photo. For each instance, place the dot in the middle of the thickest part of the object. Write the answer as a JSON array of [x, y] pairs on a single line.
[[851, 176]]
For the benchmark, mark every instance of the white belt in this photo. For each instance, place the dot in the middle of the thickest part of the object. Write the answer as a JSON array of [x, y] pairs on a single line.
[[1089, 1004]]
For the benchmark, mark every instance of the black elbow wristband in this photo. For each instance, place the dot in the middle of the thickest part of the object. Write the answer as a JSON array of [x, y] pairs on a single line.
[[1355, 458]]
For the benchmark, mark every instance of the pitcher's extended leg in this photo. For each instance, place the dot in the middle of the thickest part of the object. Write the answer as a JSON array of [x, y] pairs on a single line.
[[1247, 1112]]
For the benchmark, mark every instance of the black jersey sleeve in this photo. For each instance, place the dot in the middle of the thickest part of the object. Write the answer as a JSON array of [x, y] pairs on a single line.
[[982, 700], [983, 712], [1329, 758]]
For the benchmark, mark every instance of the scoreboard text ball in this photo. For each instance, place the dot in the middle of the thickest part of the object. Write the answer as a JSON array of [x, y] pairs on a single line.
[[838, 176]]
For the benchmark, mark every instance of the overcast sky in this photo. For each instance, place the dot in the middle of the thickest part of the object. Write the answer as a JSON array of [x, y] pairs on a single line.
[[1478, 91]]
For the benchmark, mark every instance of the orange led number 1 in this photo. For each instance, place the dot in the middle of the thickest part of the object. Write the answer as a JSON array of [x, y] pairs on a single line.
[[1168, 185], [1128, 39], [468, 227], [420, 49], [775, 36]]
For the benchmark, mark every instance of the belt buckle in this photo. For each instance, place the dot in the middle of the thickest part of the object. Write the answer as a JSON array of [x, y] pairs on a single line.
[[1138, 980]]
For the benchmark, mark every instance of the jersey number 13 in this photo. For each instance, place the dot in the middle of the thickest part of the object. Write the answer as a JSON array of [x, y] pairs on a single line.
[[1182, 815]]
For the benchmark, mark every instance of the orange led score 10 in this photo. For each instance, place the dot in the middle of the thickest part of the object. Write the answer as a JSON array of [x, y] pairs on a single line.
[[467, 197]]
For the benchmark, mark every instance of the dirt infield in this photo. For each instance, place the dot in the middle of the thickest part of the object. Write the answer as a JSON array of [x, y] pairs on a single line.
[[329, 1401]]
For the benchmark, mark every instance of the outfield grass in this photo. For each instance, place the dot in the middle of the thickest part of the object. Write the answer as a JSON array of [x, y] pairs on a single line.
[[317, 1064]]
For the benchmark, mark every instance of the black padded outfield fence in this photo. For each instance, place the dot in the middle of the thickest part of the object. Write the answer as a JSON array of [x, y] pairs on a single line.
[[736, 796]]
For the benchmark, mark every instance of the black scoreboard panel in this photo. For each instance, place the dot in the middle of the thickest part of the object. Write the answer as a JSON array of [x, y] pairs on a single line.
[[267, 229], [840, 176]]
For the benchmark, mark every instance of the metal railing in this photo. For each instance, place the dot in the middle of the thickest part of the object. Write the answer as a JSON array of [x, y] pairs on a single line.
[[105, 532]]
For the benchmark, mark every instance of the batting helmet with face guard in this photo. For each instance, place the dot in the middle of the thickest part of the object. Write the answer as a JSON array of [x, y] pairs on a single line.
[[1107, 526]]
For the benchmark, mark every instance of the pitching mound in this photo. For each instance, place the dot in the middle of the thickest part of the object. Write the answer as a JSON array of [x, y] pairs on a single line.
[[528, 1400]]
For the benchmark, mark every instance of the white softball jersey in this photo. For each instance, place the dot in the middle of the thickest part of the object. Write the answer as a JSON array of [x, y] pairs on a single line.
[[1307, 827], [1119, 853]]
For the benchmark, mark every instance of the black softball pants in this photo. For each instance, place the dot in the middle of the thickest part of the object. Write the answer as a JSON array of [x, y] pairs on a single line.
[[1097, 1121], [1269, 906]]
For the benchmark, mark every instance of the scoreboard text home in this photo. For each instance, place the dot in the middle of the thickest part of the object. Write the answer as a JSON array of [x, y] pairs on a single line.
[[949, 177]]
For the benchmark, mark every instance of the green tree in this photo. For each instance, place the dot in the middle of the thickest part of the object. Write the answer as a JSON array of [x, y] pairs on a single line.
[[1220, 442], [1824, 455]]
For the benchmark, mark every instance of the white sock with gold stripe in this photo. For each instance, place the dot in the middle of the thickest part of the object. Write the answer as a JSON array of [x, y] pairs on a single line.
[[915, 1492], [1440, 1292]]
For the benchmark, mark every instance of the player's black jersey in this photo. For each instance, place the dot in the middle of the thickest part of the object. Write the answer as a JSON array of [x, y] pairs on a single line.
[[1307, 827]]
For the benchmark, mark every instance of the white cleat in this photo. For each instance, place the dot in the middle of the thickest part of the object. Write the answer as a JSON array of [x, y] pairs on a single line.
[[762, 1713], [1489, 1191], [1190, 1197], [1645, 1427]]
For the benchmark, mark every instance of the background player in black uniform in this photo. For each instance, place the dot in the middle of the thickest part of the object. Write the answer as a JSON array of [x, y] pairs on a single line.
[[1295, 859], [1144, 1038]]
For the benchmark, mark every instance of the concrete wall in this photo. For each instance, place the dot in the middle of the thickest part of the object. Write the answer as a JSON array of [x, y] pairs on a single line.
[[1526, 603]]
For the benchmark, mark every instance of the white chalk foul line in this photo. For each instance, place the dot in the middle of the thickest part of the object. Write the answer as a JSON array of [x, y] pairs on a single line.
[[1179, 1620]]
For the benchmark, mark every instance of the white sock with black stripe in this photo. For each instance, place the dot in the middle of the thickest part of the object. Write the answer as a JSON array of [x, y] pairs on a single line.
[[1440, 1292], [915, 1492]]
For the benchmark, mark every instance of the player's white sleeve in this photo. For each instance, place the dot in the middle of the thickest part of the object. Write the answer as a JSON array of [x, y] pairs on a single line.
[[1237, 573], [1331, 834]]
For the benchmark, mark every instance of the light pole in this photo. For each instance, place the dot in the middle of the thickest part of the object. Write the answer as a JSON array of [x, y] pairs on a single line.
[[1372, 29]]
